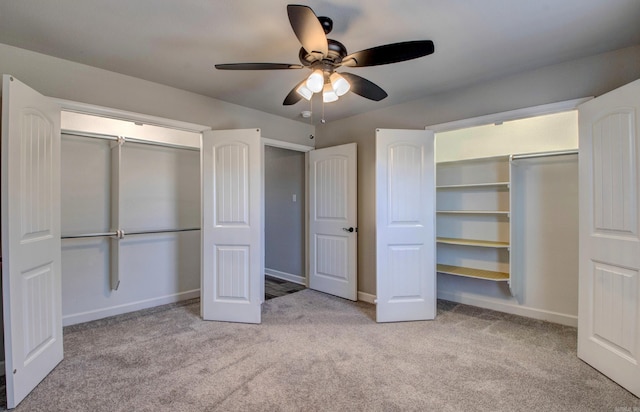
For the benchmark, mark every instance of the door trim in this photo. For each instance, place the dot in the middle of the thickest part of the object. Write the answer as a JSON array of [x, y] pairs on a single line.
[[103, 111], [523, 113], [286, 145]]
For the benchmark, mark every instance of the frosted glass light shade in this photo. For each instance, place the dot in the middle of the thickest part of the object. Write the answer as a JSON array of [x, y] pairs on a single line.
[[340, 84], [328, 94], [315, 82], [304, 91]]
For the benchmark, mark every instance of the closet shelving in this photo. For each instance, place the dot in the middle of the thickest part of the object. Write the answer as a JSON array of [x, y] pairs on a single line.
[[473, 218]]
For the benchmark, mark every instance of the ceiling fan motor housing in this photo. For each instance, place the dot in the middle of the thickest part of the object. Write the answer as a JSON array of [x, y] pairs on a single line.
[[337, 51]]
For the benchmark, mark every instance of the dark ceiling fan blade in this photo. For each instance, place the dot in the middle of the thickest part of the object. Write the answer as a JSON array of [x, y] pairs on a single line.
[[308, 29], [389, 53], [293, 97], [258, 66], [364, 87]]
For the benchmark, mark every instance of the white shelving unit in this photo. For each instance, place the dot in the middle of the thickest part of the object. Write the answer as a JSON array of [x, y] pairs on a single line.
[[473, 207]]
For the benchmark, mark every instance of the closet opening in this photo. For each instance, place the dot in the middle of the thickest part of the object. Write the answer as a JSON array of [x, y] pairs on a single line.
[[130, 216], [507, 212], [284, 223]]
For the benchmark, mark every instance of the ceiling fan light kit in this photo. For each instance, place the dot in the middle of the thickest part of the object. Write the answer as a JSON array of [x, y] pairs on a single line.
[[315, 82], [324, 56], [340, 85], [332, 89], [328, 94], [304, 91]]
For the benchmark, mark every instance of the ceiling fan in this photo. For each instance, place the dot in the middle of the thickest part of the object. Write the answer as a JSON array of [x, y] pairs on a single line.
[[324, 56]]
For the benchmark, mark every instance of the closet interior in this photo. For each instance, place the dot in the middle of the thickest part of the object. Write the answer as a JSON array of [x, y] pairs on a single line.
[[506, 215], [130, 216], [473, 213]]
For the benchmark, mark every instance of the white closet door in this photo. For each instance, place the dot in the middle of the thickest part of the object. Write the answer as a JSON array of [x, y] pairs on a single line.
[[405, 225], [30, 237], [232, 226], [333, 236], [609, 291]]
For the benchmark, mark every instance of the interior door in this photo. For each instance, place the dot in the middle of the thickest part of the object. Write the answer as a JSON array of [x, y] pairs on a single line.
[[333, 232], [31, 279], [609, 291], [405, 225], [232, 226]]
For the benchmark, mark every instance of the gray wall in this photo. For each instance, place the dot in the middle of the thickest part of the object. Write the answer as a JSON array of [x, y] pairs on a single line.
[[284, 218], [77, 82], [590, 76]]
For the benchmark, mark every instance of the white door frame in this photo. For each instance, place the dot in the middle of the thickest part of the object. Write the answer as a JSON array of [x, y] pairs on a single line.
[[107, 112]]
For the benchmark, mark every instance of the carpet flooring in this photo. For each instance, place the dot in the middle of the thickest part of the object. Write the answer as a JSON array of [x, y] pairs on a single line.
[[315, 352]]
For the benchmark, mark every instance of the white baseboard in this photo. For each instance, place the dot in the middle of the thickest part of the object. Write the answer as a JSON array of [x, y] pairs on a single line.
[[366, 297], [286, 276], [555, 317], [88, 316], [540, 314]]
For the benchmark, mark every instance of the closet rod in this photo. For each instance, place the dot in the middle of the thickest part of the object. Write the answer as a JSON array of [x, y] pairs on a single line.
[[146, 232], [141, 232], [100, 234], [129, 139], [544, 154]]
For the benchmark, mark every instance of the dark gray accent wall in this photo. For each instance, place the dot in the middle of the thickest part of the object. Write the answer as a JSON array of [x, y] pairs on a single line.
[[284, 218]]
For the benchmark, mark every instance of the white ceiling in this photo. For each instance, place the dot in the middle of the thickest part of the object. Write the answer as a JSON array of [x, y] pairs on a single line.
[[177, 43]]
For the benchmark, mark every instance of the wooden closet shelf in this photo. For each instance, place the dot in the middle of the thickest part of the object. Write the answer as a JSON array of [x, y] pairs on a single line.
[[504, 185], [473, 242], [473, 273]]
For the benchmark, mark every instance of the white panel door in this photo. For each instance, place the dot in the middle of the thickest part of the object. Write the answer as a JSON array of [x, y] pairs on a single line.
[[609, 291], [333, 232], [30, 237], [405, 225], [232, 226]]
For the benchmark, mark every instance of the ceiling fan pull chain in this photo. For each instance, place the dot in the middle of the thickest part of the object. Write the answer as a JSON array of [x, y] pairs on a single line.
[[311, 135]]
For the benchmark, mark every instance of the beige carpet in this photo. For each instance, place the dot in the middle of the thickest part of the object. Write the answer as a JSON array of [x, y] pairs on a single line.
[[315, 352]]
